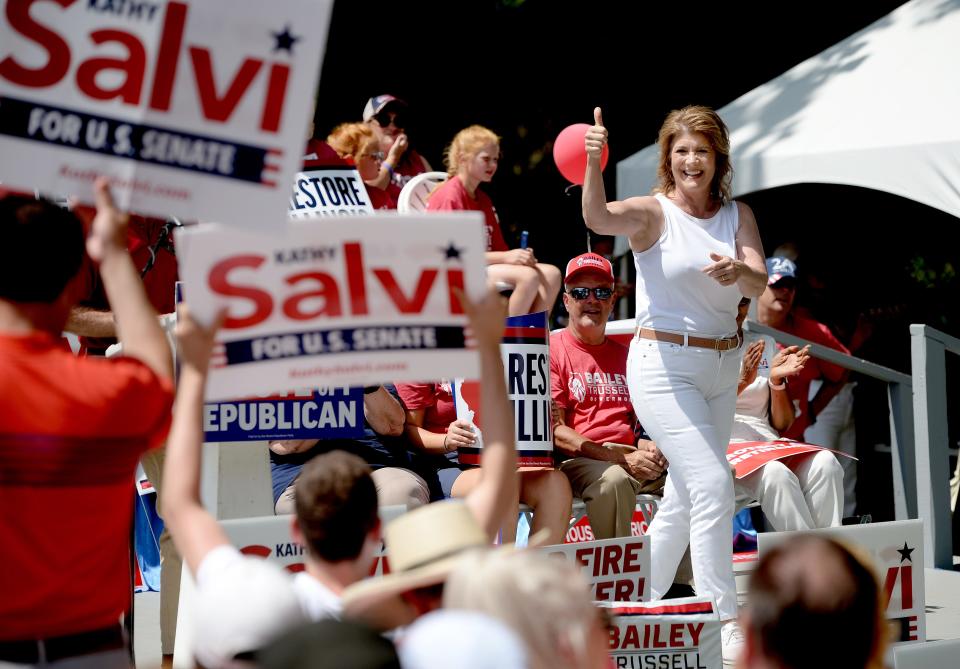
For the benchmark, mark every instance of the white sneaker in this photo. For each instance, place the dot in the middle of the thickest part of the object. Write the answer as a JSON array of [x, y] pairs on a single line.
[[731, 643]]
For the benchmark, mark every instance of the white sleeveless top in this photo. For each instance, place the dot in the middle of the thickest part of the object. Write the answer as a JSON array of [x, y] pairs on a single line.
[[672, 293]]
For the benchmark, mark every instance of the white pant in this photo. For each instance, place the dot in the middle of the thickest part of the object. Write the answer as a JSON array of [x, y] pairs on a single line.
[[835, 429], [685, 397], [803, 492]]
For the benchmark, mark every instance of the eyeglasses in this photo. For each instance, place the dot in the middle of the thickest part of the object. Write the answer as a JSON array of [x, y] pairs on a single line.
[[580, 294], [385, 118], [784, 284], [376, 155]]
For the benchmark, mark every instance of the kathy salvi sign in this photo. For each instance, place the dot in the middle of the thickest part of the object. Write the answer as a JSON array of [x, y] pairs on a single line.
[[192, 108], [355, 301], [896, 548]]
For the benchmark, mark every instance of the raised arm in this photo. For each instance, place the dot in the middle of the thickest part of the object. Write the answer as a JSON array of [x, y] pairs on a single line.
[[497, 490], [195, 531], [636, 217], [136, 321], [787, 362]]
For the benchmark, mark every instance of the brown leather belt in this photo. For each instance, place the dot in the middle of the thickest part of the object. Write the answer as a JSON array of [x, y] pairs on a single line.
[[62, 647], [719, 344]]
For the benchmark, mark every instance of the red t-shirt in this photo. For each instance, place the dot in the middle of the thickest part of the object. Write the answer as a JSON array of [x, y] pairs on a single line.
[[798, 387], [411, 164], [71, 433], [451, 195], [590, 384], [383, 198], [436, 399]]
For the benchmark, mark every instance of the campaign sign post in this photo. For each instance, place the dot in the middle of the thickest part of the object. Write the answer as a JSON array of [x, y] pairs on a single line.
[[325, 413], [679, 633], [896, 548], [355, 301], [618, 570], [525, 351], [196, 108]]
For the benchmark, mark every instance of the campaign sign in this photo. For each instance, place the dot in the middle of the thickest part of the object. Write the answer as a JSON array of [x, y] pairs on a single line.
[[326, 413], [643, 513], [356, 301], [618, 570], [897, 551], [526, 364], [749, 456], [196, 108], [329, 191], [679, 633]]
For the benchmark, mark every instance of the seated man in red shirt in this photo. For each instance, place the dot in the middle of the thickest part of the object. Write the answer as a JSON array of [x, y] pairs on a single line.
[[72, 432], [594, 438]]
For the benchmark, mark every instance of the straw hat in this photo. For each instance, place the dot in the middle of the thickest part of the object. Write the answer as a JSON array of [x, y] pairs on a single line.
[[423, 546]]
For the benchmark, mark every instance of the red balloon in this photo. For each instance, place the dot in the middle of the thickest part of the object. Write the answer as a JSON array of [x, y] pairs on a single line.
[[570, 155]]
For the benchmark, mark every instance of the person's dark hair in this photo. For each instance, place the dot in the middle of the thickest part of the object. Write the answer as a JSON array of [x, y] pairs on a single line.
[[812, 587], [42, 249], [336, 505]]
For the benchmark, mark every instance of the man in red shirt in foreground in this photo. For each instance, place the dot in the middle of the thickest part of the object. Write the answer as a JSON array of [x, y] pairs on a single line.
[[71, 433], [594, 440]]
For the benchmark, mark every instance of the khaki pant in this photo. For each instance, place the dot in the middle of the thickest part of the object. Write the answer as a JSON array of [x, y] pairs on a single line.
[[609, 492], [395, 486], [170, 560]]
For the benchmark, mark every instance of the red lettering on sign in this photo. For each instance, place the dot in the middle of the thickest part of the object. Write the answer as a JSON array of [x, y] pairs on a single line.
[[353, 256], [220, 108], [58, 51], [695, 629], [611, 559], [905, 574], [213, 106], [407, 306], [631, 559], [219, 282], [328, 291], [133, 67]]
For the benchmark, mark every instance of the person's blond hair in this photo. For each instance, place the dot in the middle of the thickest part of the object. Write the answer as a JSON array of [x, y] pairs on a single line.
[[543, 598], [350, 139], [708, 123], [466, 144]]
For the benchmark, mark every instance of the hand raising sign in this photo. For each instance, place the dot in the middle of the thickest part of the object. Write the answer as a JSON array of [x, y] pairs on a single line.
[[596, 137]]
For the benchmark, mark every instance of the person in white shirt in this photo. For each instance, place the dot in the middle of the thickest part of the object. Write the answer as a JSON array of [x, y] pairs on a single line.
[[696, 252], [801, 492]]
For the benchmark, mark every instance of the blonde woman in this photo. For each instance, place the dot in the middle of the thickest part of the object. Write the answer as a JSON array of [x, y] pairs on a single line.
[[545, 600], [357, 143], [472, 160]]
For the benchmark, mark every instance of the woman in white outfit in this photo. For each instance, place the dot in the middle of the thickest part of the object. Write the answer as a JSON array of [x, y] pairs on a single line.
[[696, 252], [801, 492]]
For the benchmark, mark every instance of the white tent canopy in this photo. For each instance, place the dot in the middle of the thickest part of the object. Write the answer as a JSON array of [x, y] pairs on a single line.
[[877, 110]]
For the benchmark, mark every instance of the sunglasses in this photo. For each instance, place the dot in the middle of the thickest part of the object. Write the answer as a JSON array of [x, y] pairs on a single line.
[[580, 294], [384, 119], [784, 284]]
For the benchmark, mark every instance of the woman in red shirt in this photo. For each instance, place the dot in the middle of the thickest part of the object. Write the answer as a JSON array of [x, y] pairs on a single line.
[[472, 159], [432, 427], [358, 144]]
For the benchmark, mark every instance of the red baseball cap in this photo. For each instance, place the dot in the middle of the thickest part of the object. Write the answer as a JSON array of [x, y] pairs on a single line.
[[589, 262]]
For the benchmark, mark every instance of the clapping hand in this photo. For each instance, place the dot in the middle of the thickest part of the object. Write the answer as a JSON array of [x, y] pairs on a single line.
[[751, 362], [789, 361]]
